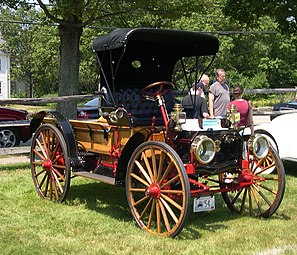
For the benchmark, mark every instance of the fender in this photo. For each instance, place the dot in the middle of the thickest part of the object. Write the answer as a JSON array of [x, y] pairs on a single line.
[[66, 129], [138, 138]]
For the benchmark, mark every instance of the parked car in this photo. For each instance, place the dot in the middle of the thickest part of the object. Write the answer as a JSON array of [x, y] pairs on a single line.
[[89, 110], [282, 129], [292, 105], [14, 127]]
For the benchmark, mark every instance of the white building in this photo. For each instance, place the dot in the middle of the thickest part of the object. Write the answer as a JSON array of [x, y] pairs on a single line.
[[4, 74]]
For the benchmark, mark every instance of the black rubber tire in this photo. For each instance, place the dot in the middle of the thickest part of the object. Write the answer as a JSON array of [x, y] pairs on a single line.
[[157, 189], [50, 165]]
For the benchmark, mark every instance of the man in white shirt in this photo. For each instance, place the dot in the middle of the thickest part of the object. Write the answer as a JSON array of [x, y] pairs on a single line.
[[205, 80]]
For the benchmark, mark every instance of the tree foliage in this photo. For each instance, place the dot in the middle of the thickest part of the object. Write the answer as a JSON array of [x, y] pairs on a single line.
[[249, 11]]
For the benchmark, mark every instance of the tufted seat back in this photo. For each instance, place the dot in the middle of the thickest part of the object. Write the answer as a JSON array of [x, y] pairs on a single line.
[[141, 110]]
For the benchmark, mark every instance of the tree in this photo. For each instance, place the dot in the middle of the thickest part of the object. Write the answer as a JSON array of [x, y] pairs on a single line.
[[280, 61], [249, 11], [72, 18], [33, 49]]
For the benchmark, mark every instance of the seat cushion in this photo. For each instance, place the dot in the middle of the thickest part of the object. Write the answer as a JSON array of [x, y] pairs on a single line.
[[141, 110]]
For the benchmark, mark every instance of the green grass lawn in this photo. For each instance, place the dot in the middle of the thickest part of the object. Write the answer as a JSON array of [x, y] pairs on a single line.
[[95, 219]]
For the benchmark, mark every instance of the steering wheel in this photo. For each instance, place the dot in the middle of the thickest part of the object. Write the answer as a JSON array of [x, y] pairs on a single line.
[[159, 88]]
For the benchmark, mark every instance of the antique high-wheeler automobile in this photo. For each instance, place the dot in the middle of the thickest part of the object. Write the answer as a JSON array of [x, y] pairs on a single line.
[[169, 164]]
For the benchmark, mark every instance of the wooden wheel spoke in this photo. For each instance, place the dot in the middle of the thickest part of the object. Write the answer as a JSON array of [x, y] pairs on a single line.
[[158, 217], [137, 190], [142, 170], [250, 201], [57, 172], [174, 179], [160, 167], [39, 173], [164, 215], [140, 179], [171, 201], [37, 163], [45, 156], [152, 212], [154, 163], [57, 183], [50, 187], [171, 191], [59, 166], [258, 165], [256, 199], [148, 167], [262, 195], [168, 208], [265, 168], [268, 189], [271, 178], [45, 177], [39, 154], [140, 201], [146, 207], [236, 197], [243, 201], [166, 172], [45, 139], [55, 151]]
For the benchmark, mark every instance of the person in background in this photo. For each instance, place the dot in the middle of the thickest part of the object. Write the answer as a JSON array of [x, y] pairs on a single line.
[[194, 105], [243, 107], [205, 81], [219, 95]]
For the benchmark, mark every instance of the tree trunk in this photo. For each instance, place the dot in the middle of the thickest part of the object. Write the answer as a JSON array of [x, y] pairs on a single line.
[[69, 67]]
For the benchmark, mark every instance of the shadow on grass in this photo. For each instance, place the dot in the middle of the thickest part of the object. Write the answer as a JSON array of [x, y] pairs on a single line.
[[102, 198], [111, 201]]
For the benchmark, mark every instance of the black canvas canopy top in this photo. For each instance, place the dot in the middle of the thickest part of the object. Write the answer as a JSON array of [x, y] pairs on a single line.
[[140, 56]]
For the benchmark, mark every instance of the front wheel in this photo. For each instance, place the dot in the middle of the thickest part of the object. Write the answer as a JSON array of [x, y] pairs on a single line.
[[265, 192], [50, 165], [157, 189]]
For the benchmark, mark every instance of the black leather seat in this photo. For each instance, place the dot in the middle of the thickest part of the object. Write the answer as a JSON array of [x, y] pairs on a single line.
[[142, 112]]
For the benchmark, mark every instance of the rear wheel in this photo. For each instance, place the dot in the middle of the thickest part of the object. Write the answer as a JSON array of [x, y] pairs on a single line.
[[264, 195], [157, 188], [50, 166]]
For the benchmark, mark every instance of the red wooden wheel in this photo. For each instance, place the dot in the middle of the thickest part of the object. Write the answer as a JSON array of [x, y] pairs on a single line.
[[157, 188], [50, 166], [264, 195]]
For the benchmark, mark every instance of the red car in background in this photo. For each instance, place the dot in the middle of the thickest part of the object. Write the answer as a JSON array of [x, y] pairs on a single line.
[[14, 127]]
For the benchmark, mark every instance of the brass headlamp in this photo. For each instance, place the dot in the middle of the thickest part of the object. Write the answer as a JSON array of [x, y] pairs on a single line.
[[178, 117], [233, 116]]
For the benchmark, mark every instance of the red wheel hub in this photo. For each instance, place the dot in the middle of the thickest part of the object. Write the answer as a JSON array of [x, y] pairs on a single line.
[[47, 164], [153, 191]]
